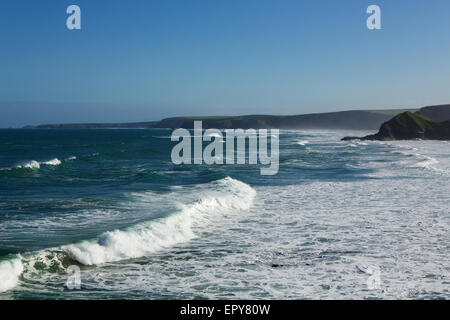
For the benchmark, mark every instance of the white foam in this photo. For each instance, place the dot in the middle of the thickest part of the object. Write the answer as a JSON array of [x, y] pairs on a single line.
[[33, 164], [218, 198], [53, 162], [427, 163], [302, 142], [222, 196], [29, 165], [10, 270]]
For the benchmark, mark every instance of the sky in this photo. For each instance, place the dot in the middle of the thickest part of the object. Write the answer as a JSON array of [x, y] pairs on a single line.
[[144, 60]]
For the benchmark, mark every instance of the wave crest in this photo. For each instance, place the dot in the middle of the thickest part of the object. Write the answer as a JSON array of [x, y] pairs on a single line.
[[33, 164], [10, 271], [29, 165], [216, 199], [176, 228], [53, 162], [302, 142]]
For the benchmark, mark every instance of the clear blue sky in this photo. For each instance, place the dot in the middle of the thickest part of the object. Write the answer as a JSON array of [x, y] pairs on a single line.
[[146, 59]]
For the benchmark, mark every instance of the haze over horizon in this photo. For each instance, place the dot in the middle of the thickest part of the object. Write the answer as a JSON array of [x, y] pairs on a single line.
[[148, 60]]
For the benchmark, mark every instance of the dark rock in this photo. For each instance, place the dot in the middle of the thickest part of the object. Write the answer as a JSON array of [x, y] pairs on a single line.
[[408, 126], [350, 138]]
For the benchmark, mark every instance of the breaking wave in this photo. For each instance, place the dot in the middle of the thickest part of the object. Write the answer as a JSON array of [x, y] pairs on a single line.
[[53, 162], [155, 235], [216, 199], [29, 165], [33, 164], [10, 270], [303, 142], [427, 163]]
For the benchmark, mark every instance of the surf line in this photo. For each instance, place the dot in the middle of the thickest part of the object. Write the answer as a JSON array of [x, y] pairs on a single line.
[[235, 139]]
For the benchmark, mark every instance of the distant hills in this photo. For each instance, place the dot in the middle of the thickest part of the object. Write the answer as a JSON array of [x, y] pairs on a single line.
[[408, 125], [332, 120], [437, 113], [349, 120], [357, 120]]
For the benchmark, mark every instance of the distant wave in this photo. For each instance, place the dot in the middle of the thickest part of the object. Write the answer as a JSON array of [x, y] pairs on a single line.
[[302, 142], [216, 199], [53, 162], [422, 161], [427, 163], [33, 164]]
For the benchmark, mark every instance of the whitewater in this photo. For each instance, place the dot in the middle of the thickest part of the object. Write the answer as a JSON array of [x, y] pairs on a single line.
[[338, 218]]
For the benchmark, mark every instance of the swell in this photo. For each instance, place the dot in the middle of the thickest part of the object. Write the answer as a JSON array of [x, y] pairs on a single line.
[[215, 201]]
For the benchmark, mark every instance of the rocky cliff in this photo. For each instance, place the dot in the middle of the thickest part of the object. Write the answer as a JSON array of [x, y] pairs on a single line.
[[408, 126]]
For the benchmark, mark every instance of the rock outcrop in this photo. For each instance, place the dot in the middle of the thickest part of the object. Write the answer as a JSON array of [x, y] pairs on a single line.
[[408, 126]]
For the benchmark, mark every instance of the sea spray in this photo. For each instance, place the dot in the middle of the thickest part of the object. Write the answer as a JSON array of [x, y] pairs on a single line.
[[10, 270]]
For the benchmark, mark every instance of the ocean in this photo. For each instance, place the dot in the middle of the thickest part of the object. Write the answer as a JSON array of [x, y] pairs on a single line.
[[340, 220]]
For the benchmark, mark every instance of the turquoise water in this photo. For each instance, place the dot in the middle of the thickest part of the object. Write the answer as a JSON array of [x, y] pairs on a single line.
[[111, 203]]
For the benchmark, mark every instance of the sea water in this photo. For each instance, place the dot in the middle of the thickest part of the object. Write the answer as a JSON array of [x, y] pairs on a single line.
[[340, 220]]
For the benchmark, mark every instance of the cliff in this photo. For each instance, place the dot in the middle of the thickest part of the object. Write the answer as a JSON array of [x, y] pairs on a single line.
[[407, 126]]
